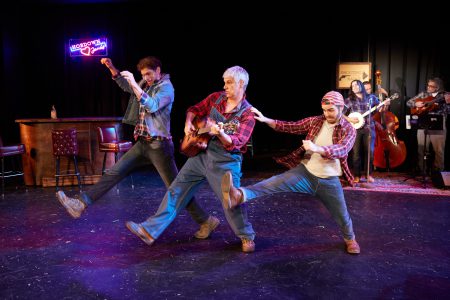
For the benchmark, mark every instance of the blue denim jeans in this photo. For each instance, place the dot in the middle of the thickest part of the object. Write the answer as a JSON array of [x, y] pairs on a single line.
[[300, 180], [210, 165], [158, 153]]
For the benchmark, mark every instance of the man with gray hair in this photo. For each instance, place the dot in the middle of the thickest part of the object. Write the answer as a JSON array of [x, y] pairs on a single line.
[[217, 130]]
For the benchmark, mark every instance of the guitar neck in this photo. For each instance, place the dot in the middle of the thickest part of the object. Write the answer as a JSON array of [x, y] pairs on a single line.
[[203, 130], [375, 107], [429, 103]]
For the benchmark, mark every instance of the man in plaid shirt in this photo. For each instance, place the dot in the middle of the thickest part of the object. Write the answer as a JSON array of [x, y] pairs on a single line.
[[315, 166], [431, 102], [222, 154], [149, 110]]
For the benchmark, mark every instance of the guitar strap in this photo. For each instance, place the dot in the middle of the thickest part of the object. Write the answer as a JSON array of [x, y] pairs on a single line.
[[215, 115]]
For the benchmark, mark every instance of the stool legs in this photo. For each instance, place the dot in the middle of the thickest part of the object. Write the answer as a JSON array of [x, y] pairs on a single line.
[[13, 173], [77, 173], [116, 158], [132, 182], [57, 173], [104, 163]]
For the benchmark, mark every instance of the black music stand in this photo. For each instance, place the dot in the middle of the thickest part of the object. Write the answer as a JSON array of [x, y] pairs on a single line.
[[427, 122]]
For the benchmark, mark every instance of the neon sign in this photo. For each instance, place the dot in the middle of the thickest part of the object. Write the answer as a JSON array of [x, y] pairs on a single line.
[[88, 47]]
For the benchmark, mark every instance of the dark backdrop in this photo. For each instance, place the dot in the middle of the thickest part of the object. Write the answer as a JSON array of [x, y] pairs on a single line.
[[291, 59]]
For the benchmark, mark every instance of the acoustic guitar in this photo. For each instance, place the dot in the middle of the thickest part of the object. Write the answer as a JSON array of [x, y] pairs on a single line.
[[430, 104], [197, 141], [360, 116]]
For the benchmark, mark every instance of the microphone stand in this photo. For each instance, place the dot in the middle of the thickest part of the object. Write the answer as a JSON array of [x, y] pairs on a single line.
[[425, 156], [369, 146]]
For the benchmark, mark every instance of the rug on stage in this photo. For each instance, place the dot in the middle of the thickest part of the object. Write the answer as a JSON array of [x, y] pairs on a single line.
[[400, 183], [393, 182]]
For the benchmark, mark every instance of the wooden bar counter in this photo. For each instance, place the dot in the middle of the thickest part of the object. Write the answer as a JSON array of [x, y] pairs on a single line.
[[38, 160]]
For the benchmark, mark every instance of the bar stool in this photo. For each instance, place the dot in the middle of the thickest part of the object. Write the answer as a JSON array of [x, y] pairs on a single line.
[[108, 142], [65, 143], [10, 151]]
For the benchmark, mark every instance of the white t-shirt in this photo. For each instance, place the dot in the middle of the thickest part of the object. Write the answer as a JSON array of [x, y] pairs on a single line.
[[315, 163]]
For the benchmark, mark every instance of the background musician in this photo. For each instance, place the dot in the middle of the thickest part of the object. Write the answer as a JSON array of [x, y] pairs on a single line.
[[431, 102], [360, 101], [380, 90], [382, 93]]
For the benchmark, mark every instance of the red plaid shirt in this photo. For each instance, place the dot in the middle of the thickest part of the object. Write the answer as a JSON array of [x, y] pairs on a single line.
[[246, 121], [343, 139]]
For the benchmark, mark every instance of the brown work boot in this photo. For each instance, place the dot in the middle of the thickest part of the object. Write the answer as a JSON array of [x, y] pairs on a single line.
[[352, 246], [207, 227], [140, 232], [248, 246], [231, 196]]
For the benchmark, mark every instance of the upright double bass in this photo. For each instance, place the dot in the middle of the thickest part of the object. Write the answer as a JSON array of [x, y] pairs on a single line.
[[389, 152]]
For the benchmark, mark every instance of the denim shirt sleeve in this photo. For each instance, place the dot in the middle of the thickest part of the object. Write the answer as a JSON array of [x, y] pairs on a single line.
[[373, 100], [123, 84], [131, 115], [158, 98]]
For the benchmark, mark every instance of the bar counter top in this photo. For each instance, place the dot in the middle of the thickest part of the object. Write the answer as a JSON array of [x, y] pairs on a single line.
[[63, 120]]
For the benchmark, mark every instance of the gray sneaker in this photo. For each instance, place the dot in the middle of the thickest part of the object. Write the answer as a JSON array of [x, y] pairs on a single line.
[[207, 227], [73, 206]]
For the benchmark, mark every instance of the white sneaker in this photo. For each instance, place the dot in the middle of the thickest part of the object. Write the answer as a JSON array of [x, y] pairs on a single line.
[[73, 206]]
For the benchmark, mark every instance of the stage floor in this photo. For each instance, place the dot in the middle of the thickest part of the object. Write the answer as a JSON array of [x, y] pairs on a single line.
[[45, 254]]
